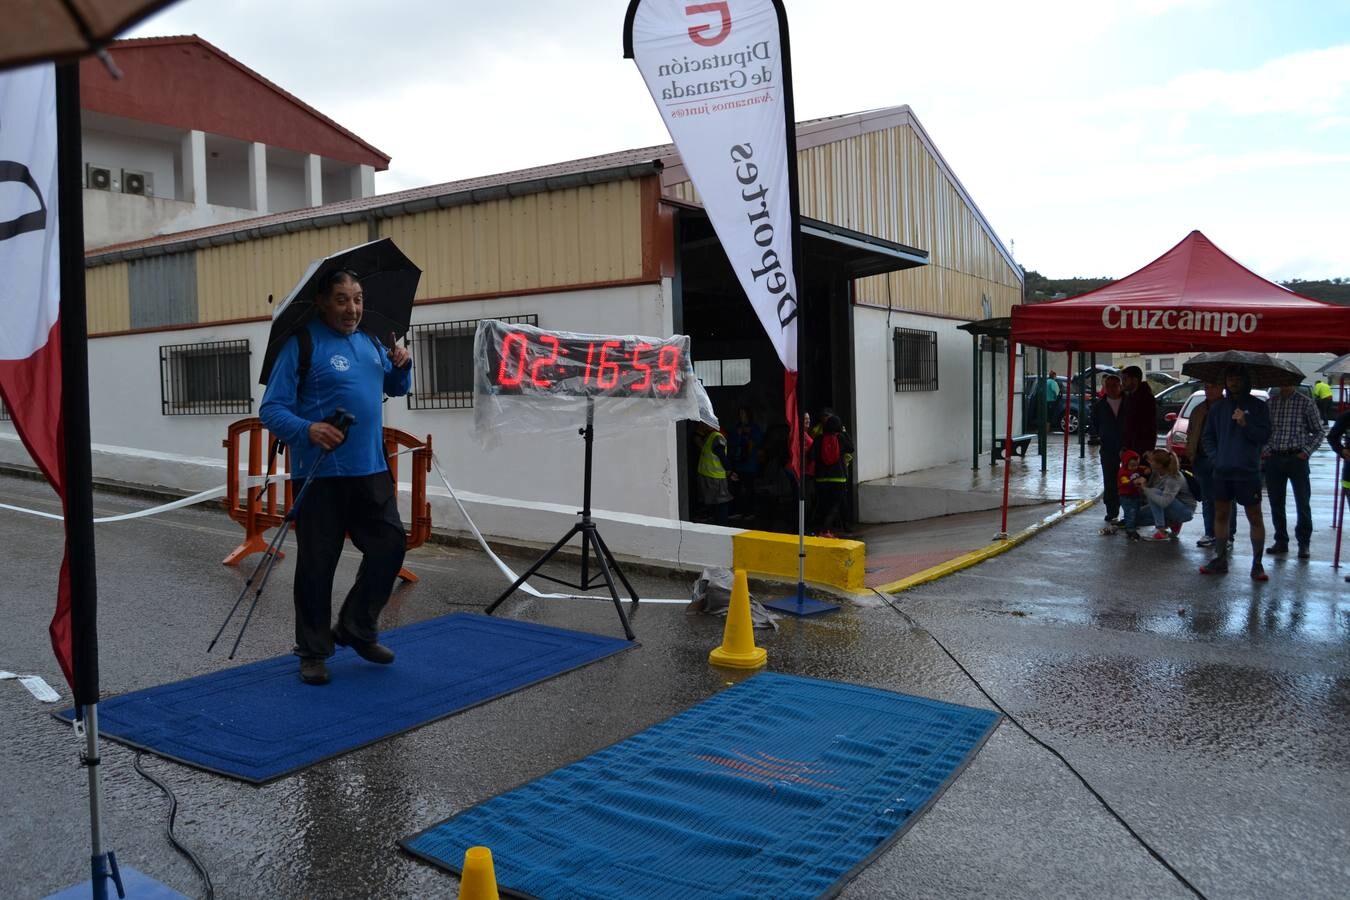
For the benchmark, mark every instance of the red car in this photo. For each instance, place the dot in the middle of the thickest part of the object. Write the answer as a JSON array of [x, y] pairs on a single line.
[[1176, 437]]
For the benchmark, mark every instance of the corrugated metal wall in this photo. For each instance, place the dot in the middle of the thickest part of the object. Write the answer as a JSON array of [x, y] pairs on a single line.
[[577, 236], [234, 280], [163, 290], [107, 298], [886, 183]]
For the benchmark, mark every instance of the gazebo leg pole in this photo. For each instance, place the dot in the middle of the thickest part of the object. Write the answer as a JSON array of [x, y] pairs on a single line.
[[1007, 440], [1068, 391]]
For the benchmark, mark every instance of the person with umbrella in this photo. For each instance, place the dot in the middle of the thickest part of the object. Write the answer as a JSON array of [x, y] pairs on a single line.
[[1236, 429], [352, 492]]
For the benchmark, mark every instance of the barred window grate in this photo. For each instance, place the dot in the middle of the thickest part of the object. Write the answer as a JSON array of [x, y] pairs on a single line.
[[916, 362], [443, 371], [205, 379], [4, 411]]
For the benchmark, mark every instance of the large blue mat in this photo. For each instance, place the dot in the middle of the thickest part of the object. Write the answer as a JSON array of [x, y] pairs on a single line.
[[258, 722], [779, 787]]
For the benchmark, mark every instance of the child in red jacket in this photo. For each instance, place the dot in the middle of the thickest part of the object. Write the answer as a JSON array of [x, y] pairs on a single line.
[[1130, 481]]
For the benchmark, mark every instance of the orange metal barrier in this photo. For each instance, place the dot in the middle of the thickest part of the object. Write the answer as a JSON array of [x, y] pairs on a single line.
[[258, 510]]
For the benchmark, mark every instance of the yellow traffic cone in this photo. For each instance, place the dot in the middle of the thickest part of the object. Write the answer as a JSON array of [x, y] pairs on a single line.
[[738, 650], [477, 881]]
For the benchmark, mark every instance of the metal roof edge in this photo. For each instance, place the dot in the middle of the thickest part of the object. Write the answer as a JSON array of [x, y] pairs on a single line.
[[383, 211]]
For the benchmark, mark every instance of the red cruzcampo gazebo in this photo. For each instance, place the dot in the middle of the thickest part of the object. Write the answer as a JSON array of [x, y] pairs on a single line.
[[1194, 297]]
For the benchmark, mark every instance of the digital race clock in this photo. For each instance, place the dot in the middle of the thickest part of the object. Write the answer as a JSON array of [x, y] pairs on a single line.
[[523, 360]]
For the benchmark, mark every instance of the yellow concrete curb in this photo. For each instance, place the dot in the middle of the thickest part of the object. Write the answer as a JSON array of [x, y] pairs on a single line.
[[974, 557], [834, 562]]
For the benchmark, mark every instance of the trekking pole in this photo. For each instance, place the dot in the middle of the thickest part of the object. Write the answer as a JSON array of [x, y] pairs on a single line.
[[340, 419]]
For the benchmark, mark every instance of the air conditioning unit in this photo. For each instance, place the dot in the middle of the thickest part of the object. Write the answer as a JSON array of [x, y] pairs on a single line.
[[142, 183], [99, 178]]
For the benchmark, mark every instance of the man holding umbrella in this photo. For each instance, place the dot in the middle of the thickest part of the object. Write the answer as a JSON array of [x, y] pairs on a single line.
[[352, 492], [1236, 429]]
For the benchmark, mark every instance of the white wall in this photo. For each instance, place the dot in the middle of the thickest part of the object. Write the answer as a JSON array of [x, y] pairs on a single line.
[[904, 432], [111, 218], [119, 151], [635, 470], [285, 187]]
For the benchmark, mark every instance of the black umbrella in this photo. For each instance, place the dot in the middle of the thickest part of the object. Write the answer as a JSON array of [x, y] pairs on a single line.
[[388, 280], [1263, 370]]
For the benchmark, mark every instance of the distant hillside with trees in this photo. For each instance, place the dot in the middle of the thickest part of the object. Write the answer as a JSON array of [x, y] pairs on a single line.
[[1336, 290], [1039, 287]]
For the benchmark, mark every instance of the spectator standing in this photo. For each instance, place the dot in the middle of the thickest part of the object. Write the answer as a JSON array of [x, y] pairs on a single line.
[[1296, 428], [831, 452], [1322, 396], [713, 490], [1106, 421], [1139, 425], [1203, 465], [747, 447], [1236, 429]]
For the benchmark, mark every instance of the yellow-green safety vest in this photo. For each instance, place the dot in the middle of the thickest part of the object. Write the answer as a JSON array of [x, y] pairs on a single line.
[[709, 465]]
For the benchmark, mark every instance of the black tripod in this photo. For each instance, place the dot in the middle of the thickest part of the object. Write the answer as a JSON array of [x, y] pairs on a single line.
[[590, 537], [342, 420]]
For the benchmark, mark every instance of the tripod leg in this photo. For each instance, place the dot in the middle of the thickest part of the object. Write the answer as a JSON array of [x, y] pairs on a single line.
[[269, 554], [532, 569], [614, 594], [614, 564]]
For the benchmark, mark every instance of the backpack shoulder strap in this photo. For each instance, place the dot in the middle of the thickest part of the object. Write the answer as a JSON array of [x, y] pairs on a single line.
[[306, 357]]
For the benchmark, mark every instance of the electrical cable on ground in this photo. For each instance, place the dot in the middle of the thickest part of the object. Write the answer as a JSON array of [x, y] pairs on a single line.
[[168, 830], [889, 601]]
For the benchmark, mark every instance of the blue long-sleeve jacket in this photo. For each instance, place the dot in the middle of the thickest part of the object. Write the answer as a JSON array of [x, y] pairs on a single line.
[[1236, 449], [351, 371]]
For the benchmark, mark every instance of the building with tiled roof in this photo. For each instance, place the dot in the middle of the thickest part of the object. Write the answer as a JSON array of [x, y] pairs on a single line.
[[178, 134]]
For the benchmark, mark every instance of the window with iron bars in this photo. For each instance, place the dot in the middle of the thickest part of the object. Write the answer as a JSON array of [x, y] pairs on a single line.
[[916, 362], [205, 379], [443, 362], [4, 411]]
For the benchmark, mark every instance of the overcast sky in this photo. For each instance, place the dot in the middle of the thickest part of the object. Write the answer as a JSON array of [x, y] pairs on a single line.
[[1093, 135]]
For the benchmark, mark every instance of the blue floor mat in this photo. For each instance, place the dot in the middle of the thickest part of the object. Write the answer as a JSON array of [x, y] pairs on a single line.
[[259, 722], [780, 787]]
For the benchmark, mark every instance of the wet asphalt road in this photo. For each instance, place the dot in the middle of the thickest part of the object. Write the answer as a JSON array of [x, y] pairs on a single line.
[[1213, 714]]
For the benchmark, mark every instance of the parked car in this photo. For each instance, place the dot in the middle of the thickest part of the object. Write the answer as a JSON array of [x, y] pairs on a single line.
[[1180, 421], [1031, 388], [1171, 399]]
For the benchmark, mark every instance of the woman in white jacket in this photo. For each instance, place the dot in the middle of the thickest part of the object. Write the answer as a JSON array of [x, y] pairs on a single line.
[[1169, 497]]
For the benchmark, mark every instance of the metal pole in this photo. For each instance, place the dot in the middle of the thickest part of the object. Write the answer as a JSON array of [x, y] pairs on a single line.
[[975, 405], [1082, 409], [1007, 449], [1068, 390], [77, 479]]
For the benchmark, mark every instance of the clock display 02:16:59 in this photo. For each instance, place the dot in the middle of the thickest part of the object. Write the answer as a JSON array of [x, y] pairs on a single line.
[[546, 362]]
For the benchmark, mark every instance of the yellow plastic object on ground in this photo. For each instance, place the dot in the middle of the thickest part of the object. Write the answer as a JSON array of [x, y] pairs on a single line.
[[477, 880], [738, 650], [829, 561]]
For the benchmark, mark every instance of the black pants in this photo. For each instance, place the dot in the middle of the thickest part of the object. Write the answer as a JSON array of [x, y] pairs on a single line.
[[366, 508], [1110, 460], [829, 505], [1287, 469]]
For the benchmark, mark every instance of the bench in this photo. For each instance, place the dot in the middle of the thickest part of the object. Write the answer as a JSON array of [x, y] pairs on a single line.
[[1020, 443]]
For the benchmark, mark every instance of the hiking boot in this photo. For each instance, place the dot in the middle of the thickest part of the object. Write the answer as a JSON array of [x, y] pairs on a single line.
[[1259, 572], [313, 671], [1175, 528], [1132, 534], [1304, 552], [1277, 548], [1157, 535], [370, 651], [1206, 541], [1216, 566]]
